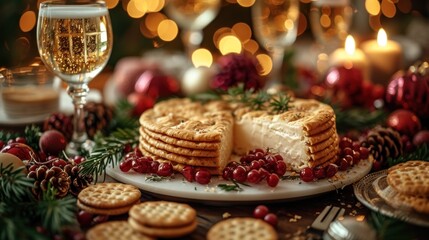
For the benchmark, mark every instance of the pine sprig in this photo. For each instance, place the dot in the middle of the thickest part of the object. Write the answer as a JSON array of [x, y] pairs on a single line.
[[235, 186], [109, 152], [421, 153], [14, 184], [32, 136], [357, 118], [56, 213], [123, 117], [260, 100]]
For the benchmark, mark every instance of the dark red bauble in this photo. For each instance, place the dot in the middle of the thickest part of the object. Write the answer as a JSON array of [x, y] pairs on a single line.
[[349, 80], [410, 90], [141, 103], [404, 121], [21, 150], [155, 84], [52, 142], [421, 137]]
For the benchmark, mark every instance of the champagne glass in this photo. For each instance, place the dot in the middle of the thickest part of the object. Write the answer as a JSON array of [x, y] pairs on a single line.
[[330, 22], [192, 16], [275, 25], [75, 41]]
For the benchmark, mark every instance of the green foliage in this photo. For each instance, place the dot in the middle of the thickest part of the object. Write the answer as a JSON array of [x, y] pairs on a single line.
[[421, 153], [14, 184], [123, 117], [358, 118]]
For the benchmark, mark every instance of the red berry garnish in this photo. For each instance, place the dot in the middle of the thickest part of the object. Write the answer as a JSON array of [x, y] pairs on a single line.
[[356, 157], [271, 218], [154, 165], [78, 159], [227, 173], [349, 159], [165, 169], [254, 176], [239, 174], [331, 170], [364, 152], [127, 148], [188, 173], [319, 173], [347, 151], [281, 168], [346, 142], [140, 165], [125, 165], [255, 164], [21, 140], [273, 180], [306, 174], [202, 176], [59, 163], [85, 218], [100, 219], [260, 211], [343, 164]]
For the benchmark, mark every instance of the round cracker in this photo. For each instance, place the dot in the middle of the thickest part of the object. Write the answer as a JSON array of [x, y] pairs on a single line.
[[171, 232], [115, 230], [105, 211], [242, 228], [410, 179], [163, 214], [109, 195]]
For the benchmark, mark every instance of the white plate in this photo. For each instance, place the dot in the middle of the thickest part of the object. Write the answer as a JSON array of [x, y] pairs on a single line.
[[178, 187], [66, 106]]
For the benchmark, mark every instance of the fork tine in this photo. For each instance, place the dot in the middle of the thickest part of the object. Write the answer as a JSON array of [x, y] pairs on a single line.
[[330, 217], [319, 218], [341, 213]]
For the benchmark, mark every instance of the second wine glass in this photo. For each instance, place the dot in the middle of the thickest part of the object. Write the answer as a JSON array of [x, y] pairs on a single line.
[[75, 42], [192, 16], [275, 24]]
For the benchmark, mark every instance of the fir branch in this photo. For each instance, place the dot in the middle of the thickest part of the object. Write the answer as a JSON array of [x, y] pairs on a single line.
[[5, 136], [421, 153], [56, 213], [357, 118], [109, 152], [123, 117], [280, 103], [32, 136], [14, 184]]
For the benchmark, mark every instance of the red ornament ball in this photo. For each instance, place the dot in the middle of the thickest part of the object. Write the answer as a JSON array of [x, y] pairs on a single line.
[[422, 137], [410, 90], [404, 121], [52, 142], [21, 150]]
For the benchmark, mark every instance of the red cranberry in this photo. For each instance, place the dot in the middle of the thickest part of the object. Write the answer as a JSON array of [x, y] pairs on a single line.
[[254, 176], [59, 163], [260, 211], [188, 173], [271, 218], [273, 180], [346, 142], [281, 168], [343, 164], [202, 176], [125, 165], [85, 218], [319, 173], [306, 174], [364, 152], [154, 165], [78, 159], [239, 174], [331, 170], [165, 169]]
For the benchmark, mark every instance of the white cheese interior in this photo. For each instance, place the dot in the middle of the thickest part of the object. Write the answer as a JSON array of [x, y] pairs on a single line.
[[286, 139]]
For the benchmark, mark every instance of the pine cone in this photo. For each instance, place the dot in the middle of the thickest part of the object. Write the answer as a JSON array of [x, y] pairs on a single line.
[[78, 181], [97, 117], [383, 143], [44, 176], [60, 122]]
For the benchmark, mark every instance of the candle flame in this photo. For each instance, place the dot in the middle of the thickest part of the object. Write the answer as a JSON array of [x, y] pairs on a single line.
[[382, 38], [350, 45]]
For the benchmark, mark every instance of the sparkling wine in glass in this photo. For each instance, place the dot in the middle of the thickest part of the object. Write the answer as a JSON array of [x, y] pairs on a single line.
[[192, 16], [75, 42], [330, 21], [275, 24]]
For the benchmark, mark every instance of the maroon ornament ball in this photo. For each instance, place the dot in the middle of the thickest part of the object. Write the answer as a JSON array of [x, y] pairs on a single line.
[[422, 137], [404, 121], [21, 150], [52, 142], [155, 84], [410, 90]]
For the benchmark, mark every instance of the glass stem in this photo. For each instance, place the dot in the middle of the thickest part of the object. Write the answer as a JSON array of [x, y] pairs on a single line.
[[192, 40], [78, 94], [276, 73]]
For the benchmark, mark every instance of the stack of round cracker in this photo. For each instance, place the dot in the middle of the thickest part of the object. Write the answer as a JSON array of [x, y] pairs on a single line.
[[188, 133], [163, 219], [108, 198], [408, 186], [115, 230]]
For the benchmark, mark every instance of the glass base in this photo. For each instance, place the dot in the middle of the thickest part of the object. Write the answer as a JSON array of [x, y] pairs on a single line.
[[75, 149]]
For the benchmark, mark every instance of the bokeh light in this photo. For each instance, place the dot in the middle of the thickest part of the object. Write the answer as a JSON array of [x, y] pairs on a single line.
[[27, 21], [242, 31], [388, 8], [230, 44], [246, 3], [202, 58], [111, 3], [372, 6], [136, 8], [168, 30], [265, 62]]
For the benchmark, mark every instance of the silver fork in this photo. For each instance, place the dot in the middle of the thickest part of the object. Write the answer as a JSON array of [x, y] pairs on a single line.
[[325, 218]]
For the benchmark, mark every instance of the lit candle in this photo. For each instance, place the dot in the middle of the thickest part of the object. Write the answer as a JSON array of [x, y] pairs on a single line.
[[349, 57], [384, 56]]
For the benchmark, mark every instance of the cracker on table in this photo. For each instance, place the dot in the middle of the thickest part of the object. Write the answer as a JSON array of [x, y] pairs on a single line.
[[115, 230], [242, 228], [163, 214], [109, 195], [163, 232]]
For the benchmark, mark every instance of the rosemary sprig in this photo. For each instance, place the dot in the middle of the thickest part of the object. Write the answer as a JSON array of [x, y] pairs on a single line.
[[421, 153], [235, 186], [281, 103], [156, 178], [108, 151]]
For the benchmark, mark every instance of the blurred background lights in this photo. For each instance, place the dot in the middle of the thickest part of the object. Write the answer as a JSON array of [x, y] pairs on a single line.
[[27, 21], [202, 57], [229, 44], [265, 62], [136, 8], [111, 3], [246, 3], [167, 30]]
